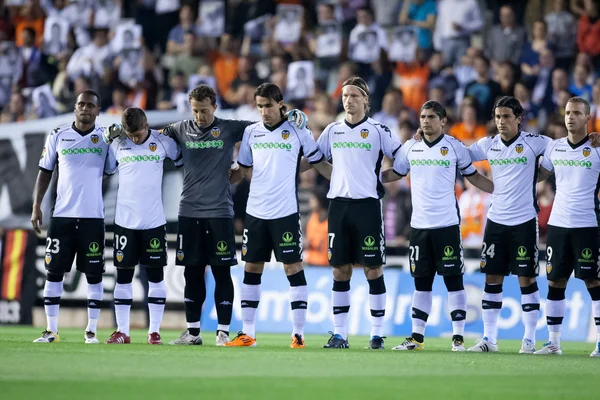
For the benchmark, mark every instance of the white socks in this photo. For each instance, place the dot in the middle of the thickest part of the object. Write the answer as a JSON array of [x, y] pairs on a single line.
[[52, 293], [123, 297], [95, 294], [157, 296]]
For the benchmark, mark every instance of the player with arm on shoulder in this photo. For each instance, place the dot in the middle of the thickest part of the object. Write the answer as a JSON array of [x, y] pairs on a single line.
[[357, 146], [205, 230], [140, 225], [273, 149], [572, 242], [77, 222], [435, 239]]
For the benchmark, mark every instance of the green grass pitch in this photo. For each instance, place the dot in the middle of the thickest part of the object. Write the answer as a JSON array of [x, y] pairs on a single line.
[[73, 370]]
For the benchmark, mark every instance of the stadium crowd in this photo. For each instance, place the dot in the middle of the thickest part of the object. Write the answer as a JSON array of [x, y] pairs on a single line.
[[461, 53]]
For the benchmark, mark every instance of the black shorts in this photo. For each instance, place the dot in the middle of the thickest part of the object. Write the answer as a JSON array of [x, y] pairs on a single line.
[[145, 246], [205, 241], [569, 249], [282, 236], [436, 250], [68, 237], [356, 233], [510, 249]]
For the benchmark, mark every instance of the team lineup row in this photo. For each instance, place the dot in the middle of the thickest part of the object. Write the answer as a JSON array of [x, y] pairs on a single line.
[[349, 153]]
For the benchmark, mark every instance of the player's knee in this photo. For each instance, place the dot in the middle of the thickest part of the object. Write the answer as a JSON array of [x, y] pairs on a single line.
[[342, 273], [125, 275], [556, 293], [454, 283], [221, 273], [494, 279], [155, 275], [93, 279], [373, 273], [526, 281], [252, 278], [255, 268], [558, 283], [377, 285], [193, 273], [424, 283], [297, 279], [492, 289], [529, 289], [54, 277], [291, 269]]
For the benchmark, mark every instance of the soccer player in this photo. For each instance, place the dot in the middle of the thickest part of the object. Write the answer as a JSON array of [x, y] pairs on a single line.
[[356, 238], [140, 226], [510, 242], [435, 239], [572, 241], [206, 233], [77, 223], [273, 149]]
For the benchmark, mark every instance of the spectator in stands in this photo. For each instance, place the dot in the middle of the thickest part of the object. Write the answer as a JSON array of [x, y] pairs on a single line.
[[588, 32], [386, 12], [176, 44], [505, 41], [442, 76], [504, 74], [390, 111], [246, 109], [456, 21], [545, 195], [556, 120], [594, 125], [465, 72], [542, 81], [411, 79], [315, 244], [530, 54], [560, 82], [397, 210], [529, 122], [177, 87], [119, 100], [484, 90], [579, 84], [16, 110], [421, 14], [92, 60], [31, 57], [323, 114], [367, 43], [225, 64], [562, 31], [469, 129], [246, 75], [31, 15]]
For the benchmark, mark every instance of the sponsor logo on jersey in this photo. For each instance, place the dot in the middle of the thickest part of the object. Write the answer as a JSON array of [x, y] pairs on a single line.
[[285, 134], [449, 254], [261, 135], [522, 254], [444, 151], [519, 148], [152, 146], [364, 133], [351, 145], [128, 159], [339, 133], [154, 246], [288, 240], [43, 153], [369, 244], [48, 258], [94, 138], [430, 163], [81, 150], [209, 144], [215, 132], [509, 161], [94, 250], [272, 145], [180, 255], [587, 151], [67, 140], [495, 150], [573, 163], [222, 248], [120, 256], [586, 256]]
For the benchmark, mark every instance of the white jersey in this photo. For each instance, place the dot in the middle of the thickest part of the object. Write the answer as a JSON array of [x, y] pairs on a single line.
[[514, 166], [357, 152], [274, 155], [140, 166], [433, 168], [577, 171], [80, 158]]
